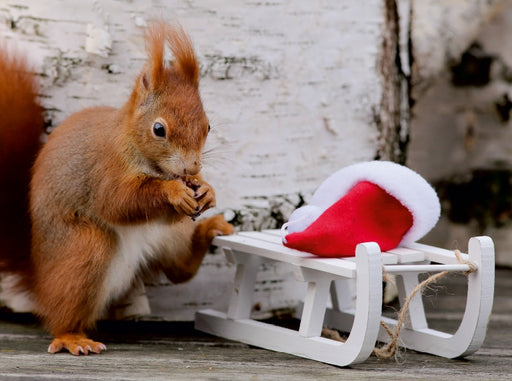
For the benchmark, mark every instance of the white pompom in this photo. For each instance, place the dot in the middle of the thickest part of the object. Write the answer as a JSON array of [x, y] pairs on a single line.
[[301, 218]]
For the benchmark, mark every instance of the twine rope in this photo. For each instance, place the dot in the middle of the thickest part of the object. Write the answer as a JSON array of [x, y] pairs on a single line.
[[389, 350]]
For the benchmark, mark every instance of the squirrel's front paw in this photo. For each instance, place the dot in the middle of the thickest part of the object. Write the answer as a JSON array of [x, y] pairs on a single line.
[[182, 198], [203, 193], [205, 197]]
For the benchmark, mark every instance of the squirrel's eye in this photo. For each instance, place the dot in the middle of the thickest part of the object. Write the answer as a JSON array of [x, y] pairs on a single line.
[[159, 130], [209, 128]]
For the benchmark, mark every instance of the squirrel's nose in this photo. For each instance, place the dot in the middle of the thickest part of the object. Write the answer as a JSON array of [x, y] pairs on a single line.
[[192, 168]]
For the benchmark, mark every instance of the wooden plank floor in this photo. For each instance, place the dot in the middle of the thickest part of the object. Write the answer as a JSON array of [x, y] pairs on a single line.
[[175, 351]]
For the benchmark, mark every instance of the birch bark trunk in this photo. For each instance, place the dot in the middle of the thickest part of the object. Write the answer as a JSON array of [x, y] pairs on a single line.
[[294, 89]]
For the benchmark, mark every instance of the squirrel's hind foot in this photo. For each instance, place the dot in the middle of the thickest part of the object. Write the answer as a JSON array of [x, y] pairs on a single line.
[[76, 344]]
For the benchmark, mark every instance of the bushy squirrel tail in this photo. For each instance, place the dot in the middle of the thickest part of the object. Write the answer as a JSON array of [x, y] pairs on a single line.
[[21, 126]]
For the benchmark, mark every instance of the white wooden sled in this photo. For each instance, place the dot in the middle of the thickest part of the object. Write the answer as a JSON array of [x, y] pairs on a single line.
[[330, 277]]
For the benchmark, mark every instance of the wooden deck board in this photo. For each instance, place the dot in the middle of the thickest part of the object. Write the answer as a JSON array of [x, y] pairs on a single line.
[[175, 351]]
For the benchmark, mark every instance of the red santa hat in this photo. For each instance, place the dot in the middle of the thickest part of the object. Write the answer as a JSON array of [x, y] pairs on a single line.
[[376, 201]]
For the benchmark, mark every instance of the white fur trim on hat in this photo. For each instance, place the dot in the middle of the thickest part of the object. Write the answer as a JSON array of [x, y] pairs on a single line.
[[408, 187]]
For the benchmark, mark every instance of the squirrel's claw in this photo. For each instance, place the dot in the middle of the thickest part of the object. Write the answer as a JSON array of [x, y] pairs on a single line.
[[205, 197]]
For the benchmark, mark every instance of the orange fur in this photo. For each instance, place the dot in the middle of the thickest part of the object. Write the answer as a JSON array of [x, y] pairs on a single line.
[[106, 186], [21, 124]]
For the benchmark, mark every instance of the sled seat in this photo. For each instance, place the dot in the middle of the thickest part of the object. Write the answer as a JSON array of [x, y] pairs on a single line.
[[332, 278]]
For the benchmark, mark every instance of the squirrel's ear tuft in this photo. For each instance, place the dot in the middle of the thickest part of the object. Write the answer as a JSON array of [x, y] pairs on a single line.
[[154, 72], [185, 61]]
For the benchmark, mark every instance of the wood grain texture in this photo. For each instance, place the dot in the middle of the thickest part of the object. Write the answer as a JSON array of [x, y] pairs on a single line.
[[174, 351]]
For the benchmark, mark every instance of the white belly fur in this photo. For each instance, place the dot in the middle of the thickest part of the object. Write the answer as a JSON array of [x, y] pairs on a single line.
[[136, 245], [14, 298]]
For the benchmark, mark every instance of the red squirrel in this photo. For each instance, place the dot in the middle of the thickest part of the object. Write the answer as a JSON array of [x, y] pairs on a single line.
[[115, 192]]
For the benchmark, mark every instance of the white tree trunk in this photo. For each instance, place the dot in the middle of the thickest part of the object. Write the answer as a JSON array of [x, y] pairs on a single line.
[[294, 89]]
